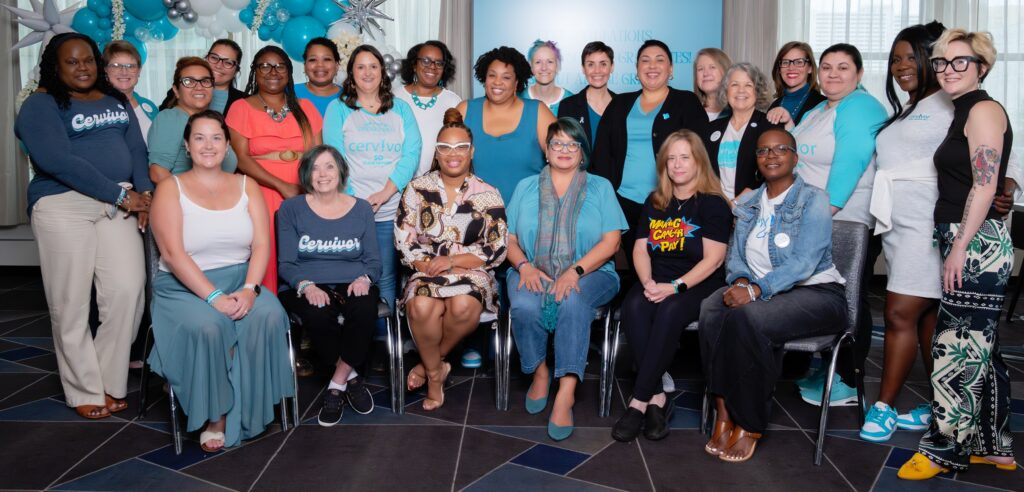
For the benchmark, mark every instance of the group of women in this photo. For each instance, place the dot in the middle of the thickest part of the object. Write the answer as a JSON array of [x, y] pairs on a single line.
[[315, 192]]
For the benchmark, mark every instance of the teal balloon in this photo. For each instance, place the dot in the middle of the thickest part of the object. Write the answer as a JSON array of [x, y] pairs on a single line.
[[86, 22], [326, 11], [148, 10], [105, 23], [132, 23], [265, 33], [297, 8], [100, 7], [246, 15], [297, 32], [277, 32], [139, 45], [164, 27]]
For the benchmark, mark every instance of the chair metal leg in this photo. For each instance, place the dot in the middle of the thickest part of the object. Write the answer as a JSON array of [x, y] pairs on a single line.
[[144, 380], [825, 398], [396, 369], [503, 338], [175, 431], [705, 412], [498, 358], [609, 349]]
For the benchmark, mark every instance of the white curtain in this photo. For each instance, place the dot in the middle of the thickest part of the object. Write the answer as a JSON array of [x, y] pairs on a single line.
[[745, 34], [13, 165], [456, 31]]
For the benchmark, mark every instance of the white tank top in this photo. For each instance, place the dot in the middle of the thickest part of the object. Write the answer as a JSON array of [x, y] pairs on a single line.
[[215, 238]]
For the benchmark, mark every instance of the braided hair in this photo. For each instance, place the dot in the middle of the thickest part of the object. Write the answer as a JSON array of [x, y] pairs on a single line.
[[49, 78], [251, 87]]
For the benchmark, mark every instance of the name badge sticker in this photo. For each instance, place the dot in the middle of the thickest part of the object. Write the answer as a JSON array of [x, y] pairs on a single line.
[[715, 136], [782, 240]]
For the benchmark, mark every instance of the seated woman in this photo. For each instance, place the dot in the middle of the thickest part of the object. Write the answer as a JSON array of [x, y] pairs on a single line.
[[451, 231], [564, 226], [782, 286], [327, 254], [678, 255], [219, 340]]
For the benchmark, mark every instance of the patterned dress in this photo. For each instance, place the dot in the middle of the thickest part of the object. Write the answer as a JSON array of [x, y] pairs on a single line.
[[428, 226]]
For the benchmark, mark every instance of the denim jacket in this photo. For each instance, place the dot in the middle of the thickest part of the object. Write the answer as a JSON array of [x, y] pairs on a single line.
[[805, 216]]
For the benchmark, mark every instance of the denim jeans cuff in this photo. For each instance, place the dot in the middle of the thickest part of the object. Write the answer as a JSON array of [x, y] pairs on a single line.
[[574, 370], [529, 368]]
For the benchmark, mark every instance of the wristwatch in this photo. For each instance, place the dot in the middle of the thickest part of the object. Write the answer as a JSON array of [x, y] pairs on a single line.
[[253, 287], [579, 270], [679, 286]]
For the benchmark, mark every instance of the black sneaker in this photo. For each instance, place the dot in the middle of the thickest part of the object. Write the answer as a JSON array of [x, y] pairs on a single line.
[[333, 408], [629, 426], [656, 420], [358, 396]]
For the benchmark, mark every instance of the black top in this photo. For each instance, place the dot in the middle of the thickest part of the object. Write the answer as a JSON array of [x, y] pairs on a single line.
[[576, 107], [953, 162], [675, 235], [747, 175], [681, 109], [233, 95], [813, 99]]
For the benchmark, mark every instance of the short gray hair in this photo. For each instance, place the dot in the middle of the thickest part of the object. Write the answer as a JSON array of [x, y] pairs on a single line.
[[764, 95]]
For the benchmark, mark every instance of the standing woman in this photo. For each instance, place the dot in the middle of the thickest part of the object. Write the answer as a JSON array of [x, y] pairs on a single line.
[[795, 74], [971, 383], [89, 183], [219, 340], [379, 139], [635, 125], [225, 58], [320, 62], [545, 63], [731, 141], [123, 66], [426, 70], [708, 75], [588, 106], [678, 254], [270, 132], [564, 227], [451, 231]]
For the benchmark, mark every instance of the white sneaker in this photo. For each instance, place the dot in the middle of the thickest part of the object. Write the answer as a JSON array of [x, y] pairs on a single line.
[[668, 385]]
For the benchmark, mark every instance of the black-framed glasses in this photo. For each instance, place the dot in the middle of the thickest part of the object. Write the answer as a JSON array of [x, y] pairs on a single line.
[[460, 148], [215, 59], [959, 63], [265, 68], [189, 82], [557, 146], [124, 67], [797, 62], [428, 62], [779, 150]]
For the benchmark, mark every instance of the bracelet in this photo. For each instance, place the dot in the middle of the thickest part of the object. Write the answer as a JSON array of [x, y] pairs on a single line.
[[750, 290], [122, 200], [521, 263], [213, 296], [741, 284], [302, 286]]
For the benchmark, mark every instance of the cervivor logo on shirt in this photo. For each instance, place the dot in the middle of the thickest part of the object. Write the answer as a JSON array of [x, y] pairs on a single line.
[[81, 122]]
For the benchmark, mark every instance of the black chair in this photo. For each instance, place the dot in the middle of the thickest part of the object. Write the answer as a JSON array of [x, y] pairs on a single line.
[[1017, 238], [849, 253]]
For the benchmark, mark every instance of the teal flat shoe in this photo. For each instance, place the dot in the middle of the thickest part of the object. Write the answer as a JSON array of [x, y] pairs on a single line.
[[558, 432], [534, 407]]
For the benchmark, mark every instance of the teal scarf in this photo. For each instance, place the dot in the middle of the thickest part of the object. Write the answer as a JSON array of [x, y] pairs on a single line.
[[555, 247]]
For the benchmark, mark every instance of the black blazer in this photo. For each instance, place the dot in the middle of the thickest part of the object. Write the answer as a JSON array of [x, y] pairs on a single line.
[[813, 98], [576, 107], [681, 109], [233, 95], [747, 175]]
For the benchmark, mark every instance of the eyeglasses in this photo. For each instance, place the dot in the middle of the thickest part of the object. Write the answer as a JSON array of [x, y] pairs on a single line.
[[556, 146], [427, 63], [798, 62], [779, 150], [124, 67], [959, 63], [460, 148], [214, 59], [266, 68], [190, 82]]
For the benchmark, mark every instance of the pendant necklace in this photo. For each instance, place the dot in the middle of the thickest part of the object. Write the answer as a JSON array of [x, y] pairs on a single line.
[[278, 117]]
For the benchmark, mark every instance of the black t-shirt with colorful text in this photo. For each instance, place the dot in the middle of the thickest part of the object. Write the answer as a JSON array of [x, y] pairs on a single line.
[[675, 235]]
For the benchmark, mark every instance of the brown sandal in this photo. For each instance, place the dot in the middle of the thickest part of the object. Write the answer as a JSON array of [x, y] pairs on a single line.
[[115, 405], [414, 381], [430, 404], [737, 434], [721, 427], [92, 412]]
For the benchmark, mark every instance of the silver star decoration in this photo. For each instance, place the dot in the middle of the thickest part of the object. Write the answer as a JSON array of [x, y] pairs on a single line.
[[44, 20], [363, 14]]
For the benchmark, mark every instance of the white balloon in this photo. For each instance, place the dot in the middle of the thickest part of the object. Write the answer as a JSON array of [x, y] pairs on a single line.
[[236, 4], [227, 20], [205, 7], [205, 20], [339, 28], [182, 24]]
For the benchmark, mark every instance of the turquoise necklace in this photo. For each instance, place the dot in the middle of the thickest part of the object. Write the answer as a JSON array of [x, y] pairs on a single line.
[[423, 105]]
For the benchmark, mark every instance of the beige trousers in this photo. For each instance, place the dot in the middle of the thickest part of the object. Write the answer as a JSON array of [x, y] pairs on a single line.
[[80, 245]]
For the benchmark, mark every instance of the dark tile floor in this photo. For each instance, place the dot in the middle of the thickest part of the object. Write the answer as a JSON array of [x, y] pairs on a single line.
[[468, 444]]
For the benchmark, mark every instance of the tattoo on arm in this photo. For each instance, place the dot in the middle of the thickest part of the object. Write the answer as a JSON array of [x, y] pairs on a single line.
[[985, 164], [963, 218]]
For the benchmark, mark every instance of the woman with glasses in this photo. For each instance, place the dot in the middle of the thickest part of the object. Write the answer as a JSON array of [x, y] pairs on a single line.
[[708, 76], [796, 83], [122, 70], [451, 231], [781, 285], [970, 382], [564, 227], [270, 132], [589, 105], [426, 70], [190, 93], [545, 63], [225, 58], [320, 62]]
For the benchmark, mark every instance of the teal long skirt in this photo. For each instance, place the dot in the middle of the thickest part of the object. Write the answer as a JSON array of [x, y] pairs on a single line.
[[218, 366]]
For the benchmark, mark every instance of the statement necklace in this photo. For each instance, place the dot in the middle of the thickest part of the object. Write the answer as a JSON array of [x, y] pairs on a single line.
[[278, 117], [420, 104]]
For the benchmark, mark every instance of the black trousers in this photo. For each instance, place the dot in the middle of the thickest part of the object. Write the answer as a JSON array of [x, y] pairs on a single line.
[[741, 348], [653, 330], [349, 339]]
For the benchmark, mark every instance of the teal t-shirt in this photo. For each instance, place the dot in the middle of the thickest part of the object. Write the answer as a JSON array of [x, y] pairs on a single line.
[[594, 120], [167, 143], [219, 100], [321, 102], [599, 214], [639, 176]]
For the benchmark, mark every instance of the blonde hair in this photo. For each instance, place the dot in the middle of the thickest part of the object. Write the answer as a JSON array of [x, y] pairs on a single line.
[[980, 42], [721, 59], [707, 180]]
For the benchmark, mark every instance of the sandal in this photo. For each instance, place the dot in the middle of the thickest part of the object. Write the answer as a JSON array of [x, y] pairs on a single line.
[[721, 427], [207, 436], [430, 404], [92, 412], [304, 368], [415, 381], [982, 460], [115, 405], [737, 434]]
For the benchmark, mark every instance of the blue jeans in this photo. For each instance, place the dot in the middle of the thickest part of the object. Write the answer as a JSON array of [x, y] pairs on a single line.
[[386, 284], [575, 314]]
